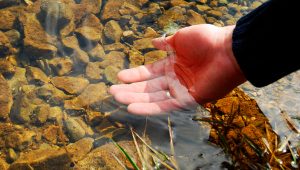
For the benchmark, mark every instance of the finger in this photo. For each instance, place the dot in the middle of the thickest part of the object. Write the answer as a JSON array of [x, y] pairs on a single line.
[[154, 85], [154, 108], [130, 97], [142, 73], [160, 43]]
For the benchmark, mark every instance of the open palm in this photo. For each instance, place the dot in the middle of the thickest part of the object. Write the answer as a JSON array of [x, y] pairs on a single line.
[[204, 66]]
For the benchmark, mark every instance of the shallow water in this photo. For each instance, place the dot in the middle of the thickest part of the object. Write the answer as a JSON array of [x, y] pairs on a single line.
[[192, 149]]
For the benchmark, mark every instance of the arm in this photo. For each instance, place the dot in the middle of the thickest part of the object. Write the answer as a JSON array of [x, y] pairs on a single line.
[[265, 42]]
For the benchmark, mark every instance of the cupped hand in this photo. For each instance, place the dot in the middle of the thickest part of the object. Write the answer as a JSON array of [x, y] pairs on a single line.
[[205, 69]]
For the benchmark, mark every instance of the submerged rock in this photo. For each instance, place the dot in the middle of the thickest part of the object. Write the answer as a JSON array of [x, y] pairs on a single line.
[[129, 9], [112, 32], [7, 67], [89, 33], [114, 58], [93, 71], [18, 80], [173, 15], [111, 73], [56, 115], [115, 47], [144, 44], [7, 20], [150, 33], [22, 109], [53, 158], [6, 99], [40, 114], [11, 155], [45, 158], [55, 15], [93, 94], [72, 85], [136, 58], [97, 53], [111, 10], [61, 65], [52, 95], [5, 46], [194, 18], [37, 42], [52, 134], [102, 157], [36, 75], [154, 56], [77, 129], [19, 139], [13, 36], [76, 53], [3, 164]]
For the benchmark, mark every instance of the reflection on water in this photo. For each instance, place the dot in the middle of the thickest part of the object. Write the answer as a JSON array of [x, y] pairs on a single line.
[[277, 100], [58, 57]]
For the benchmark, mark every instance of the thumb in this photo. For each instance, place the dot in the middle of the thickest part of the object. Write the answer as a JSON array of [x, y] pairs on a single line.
[[161, 43]]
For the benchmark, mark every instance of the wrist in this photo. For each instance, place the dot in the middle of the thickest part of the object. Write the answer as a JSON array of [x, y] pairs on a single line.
[[237, 71]]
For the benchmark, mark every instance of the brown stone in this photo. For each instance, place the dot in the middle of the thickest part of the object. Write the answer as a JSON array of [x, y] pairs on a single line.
[[101, 157], [7, 20], [89, 33], [72, 46], [112, 31], [13, 36], [54, 15], [37, 42], [110, 73], [52, 95], [93, 117], [115, 47], [144, 44], [19, 139], [154, 56], [91, 95], [72, 85], [228, 105], [5, 46], [52, 158], [93, 71], [51, 133], [202, 8], [97, 53], [40, 114], [150, 33], [6, 99], [215, 13], [36, 75], [44, 158], [93, 6], [136, 58], [194, 18], [3, 164], [91, 20], [61, 66], [174, 14], [129, 9], [74, 130], [7, 67], [114, 58]]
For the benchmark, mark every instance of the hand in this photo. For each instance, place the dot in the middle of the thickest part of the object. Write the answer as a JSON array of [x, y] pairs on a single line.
[[204, 64]]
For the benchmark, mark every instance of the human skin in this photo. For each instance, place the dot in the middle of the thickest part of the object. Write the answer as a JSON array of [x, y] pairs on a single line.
[[205, 65]]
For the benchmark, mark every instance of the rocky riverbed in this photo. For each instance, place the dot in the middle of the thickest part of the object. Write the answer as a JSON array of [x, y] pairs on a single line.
[[57, 60]]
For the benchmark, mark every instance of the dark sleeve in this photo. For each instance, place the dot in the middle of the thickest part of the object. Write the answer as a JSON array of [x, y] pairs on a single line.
[[266, 42]]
